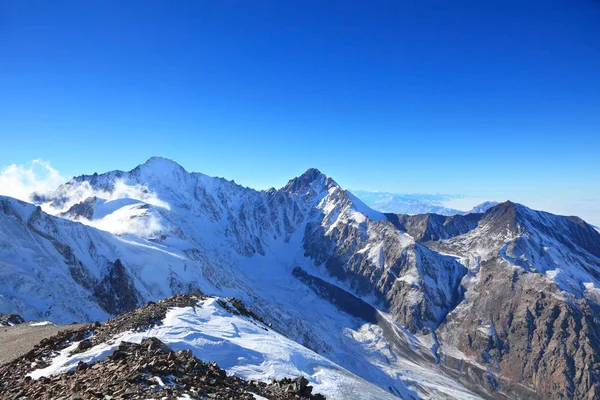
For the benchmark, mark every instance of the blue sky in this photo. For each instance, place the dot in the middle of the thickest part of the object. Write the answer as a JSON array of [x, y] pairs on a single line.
[[499, 99]]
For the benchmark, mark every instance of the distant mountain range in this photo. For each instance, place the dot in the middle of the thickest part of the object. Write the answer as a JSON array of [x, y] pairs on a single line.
[[499, 303], [412, 204]]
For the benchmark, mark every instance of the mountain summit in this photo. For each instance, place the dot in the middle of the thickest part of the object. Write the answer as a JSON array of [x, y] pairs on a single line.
[[312, 179]]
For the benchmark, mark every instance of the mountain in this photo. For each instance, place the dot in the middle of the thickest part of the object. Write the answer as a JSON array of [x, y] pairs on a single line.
[[413, 204], [500, 304], [202, 330]]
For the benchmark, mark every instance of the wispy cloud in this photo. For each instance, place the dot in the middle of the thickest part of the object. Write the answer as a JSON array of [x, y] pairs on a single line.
[[120, 190], [21, 181], [39, 177], [130, 220]]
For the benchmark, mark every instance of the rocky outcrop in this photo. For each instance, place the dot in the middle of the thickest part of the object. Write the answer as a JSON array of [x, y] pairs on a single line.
[[147, 370], [527, 316], [11, 319], [84, 209], [116, 293], [150, 369], [417, 285]]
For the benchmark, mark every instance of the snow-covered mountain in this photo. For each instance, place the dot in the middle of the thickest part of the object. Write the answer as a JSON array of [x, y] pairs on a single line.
[[424, 306]]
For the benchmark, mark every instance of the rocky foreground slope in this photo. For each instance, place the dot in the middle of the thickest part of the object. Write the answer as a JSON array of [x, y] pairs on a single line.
[[143, 369], [501, 304]]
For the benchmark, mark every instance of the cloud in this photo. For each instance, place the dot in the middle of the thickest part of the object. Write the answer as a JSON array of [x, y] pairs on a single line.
[[38, 176], [129, 220], [21, 181], [77, 193]]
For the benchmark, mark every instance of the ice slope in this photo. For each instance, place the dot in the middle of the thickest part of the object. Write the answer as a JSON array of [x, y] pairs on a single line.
[[242, 346]]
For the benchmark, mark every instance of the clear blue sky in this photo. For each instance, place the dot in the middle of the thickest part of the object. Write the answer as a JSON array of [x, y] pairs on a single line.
[[492, 98]]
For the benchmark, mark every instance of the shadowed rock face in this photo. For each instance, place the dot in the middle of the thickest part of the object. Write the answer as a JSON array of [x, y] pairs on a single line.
[[307, 181], [418, 286], [338, 297], [116, 292], [11, 319], [84, 209]]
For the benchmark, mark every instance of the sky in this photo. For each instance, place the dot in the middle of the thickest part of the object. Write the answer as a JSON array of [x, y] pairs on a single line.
[[495, 99]]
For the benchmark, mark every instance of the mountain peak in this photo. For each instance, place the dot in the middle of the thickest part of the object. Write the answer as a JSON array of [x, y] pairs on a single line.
[[506, 210], [159, 167], [312, 178], [162, 162]]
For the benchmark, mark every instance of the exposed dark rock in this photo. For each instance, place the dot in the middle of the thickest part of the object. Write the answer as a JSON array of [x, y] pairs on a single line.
[[239, 308], [147, 370], [536, 344], [304, 183], [137, 371], [116, 292], [143, 317], [337, 247], [84, 209], [345, 301], [11, 319]]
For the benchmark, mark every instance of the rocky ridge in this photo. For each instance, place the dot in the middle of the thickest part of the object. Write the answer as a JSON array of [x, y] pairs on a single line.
[[145, 370]]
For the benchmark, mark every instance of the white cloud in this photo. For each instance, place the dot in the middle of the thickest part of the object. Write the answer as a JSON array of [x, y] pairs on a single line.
[[129, 220], [38, 176], [121, 190], [21, 181]]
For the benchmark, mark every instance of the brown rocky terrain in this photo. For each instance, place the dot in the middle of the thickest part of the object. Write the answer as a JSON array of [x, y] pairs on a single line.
[[536, 344], [149, 370], [19, 339]]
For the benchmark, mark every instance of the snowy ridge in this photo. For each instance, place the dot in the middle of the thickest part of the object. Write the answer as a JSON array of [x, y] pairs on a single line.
[[241, 345]]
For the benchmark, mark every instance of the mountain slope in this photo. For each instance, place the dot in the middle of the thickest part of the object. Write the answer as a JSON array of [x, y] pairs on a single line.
[[213, 330], [391, 298], [531, 306]]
